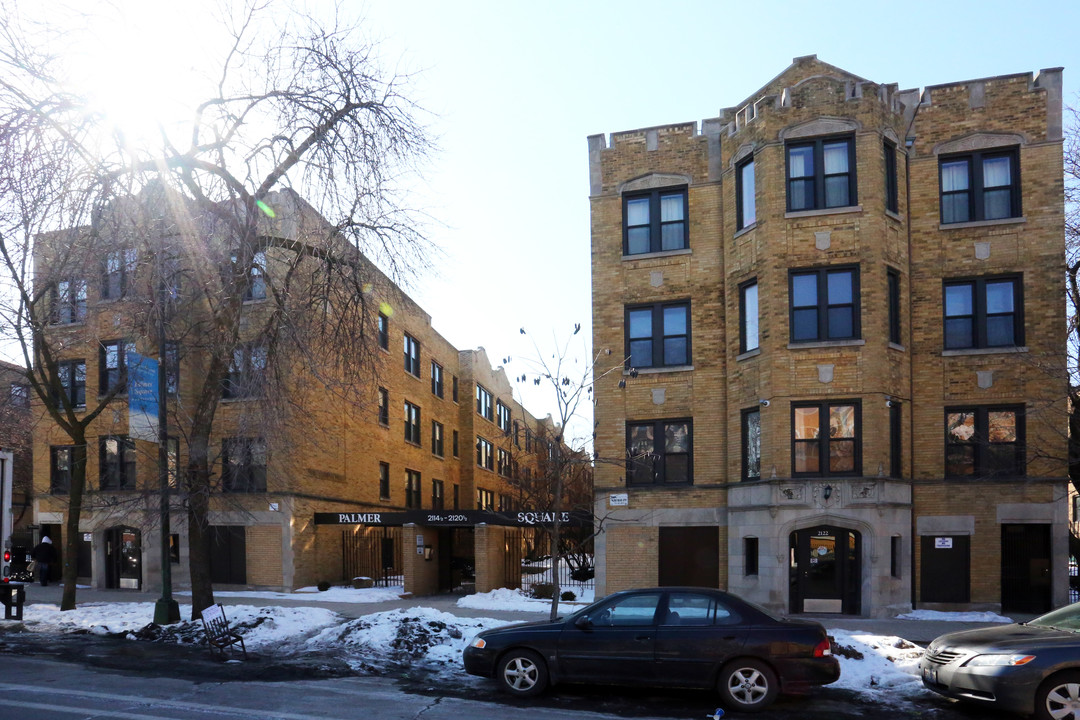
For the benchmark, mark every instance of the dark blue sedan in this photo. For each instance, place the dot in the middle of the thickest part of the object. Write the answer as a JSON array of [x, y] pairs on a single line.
[[667, 637]]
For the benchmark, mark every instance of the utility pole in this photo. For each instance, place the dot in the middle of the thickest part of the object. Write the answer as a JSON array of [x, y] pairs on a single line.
[[166, 610]]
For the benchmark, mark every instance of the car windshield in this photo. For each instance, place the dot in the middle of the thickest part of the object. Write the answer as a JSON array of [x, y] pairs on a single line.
[[1066, 618]]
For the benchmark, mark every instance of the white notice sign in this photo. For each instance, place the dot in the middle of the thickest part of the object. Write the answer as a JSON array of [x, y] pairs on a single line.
[[943, 543], [618, 500]]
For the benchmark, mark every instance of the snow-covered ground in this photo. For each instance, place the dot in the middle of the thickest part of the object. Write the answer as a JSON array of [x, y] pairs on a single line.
[[882, 667], [334, 594]]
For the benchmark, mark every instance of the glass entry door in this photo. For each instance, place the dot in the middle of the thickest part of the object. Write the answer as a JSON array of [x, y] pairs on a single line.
[[824, 570]]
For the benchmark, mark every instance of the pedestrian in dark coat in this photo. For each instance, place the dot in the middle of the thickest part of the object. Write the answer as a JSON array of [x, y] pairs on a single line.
[[43, 556]]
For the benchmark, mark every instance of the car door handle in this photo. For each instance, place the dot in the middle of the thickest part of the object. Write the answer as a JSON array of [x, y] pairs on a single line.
[[643, 638]]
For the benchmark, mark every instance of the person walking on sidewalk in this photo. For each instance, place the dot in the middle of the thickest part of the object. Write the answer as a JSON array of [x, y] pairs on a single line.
[[43, 555]]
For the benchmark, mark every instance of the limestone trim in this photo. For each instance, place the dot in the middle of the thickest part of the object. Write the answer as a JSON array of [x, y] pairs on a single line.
[[748, 354], [743, 152], [979, 141], [825, 344], [983, 223], [825, 211], [1027, 512], [653, 181], [819, 126], [892, 137], [658, 370], [745, 230], [985, 351], [661, 254], [945, 525]]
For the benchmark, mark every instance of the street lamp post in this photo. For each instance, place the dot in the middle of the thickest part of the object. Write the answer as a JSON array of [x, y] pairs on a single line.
[[166, 610]]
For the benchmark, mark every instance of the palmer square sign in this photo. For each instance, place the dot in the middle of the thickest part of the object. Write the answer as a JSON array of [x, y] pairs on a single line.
[[454, 518]]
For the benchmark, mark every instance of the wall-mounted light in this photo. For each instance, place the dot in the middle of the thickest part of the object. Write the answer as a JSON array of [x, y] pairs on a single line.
[[763, 402], [428, 552], [828, 492]]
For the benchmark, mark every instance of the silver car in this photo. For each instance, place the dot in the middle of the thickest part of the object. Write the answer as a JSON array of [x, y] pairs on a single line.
[[1031, 667]]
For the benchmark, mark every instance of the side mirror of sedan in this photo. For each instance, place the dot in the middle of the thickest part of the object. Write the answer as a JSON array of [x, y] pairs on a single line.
[[583, 623]]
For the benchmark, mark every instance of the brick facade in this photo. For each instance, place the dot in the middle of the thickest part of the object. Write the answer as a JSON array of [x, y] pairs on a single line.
[[866, 517]]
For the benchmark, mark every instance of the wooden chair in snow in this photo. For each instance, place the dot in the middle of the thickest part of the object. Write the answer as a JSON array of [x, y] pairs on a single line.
[[218, 634]]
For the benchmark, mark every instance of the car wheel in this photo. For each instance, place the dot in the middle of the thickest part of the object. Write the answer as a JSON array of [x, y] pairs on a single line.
[[748, 685], [1058, 697], [522, 673]]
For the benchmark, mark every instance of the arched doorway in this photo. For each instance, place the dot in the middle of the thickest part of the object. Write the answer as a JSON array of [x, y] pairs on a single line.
[[123, 558], [825, 572]]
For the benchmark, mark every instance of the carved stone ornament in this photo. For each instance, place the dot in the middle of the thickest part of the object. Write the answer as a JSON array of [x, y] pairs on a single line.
[[823, 239], [659, 396], [825, 373], [979, 141], [744, 151], [982, 251], [656, 278], [652, 181], [985, 379], [791, 493], [867, 491], [821, 126]]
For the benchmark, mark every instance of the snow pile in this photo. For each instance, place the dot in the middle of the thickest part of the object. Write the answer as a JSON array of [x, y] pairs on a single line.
[[334, 594], [417, 639], [517, 601], [883, 667], [93, 618], [985, 617]]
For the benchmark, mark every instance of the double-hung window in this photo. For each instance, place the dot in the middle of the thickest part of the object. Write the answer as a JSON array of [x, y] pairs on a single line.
[[243, 464], [983, 441], [751, 444], [438, 495], [436, 379], [384, 481], [412, 423], [117, 273], [821, 174], [384, 331], [437, 442], [655, 221], [485, 499], [893, 282], [384, 406], [983, 313], [412, 355], [659, 452], [112, 365], [20, 395], [256, 287], [826, 438], [247, 372], [980, 186], [412, 489], [484, 402], [748, 316], [69, 302], [892, 202], [502, 413], [72, 376], [658, 335], [824, 304], [745, 197], [61, 458], [116, 464], [504, 463], [485, 453]]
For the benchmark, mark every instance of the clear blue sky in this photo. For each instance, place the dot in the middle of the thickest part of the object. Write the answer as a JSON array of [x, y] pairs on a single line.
[[519, 86]]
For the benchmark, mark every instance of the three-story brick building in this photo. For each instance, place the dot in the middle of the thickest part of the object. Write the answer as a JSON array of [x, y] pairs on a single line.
[[841, 311]]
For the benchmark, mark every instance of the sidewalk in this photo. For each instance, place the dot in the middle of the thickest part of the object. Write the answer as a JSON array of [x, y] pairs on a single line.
[[917, 631]]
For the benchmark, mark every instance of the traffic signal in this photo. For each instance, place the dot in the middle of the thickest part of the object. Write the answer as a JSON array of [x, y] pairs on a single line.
[[7, 566]]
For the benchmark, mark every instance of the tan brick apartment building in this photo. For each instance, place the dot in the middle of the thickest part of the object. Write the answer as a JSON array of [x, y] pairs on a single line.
[[438, 431], [841, 306]]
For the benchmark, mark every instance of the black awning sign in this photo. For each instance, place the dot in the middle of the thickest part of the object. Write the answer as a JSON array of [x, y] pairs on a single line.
[[453, 518]]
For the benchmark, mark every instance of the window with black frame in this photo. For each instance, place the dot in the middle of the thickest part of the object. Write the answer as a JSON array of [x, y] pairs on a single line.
[[413, 490], [117, 273], [659, 452], [984, 441], [821, 174], [826, 438], [748, 316], [751, 444], [980, 186], [658, 335], [69, 302], [116, 464], [745, 196], [112, 366], [412, 423], [72, 377], [61, 459], [892, 202], [655, 221], [243, 463], [825, 304], [412, 355], [983, 313], [247, 372]]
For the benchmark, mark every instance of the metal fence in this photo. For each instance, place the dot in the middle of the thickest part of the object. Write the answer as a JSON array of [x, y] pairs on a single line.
[[372, 552], [529, 565]]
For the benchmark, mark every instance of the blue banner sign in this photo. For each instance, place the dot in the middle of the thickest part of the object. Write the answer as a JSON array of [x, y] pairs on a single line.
[[142, 373]]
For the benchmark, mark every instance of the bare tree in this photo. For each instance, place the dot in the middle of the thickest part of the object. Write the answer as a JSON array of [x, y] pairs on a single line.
[[305, 112]]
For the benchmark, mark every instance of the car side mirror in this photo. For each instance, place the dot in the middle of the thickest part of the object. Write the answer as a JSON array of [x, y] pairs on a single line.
[[583, 623]]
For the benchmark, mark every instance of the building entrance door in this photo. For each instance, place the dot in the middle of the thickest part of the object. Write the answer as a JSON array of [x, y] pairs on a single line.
[[1025, 568], [123, 558], [824, 570]]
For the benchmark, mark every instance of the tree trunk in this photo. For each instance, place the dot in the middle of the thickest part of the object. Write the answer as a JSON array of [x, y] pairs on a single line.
[[75, 497]]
